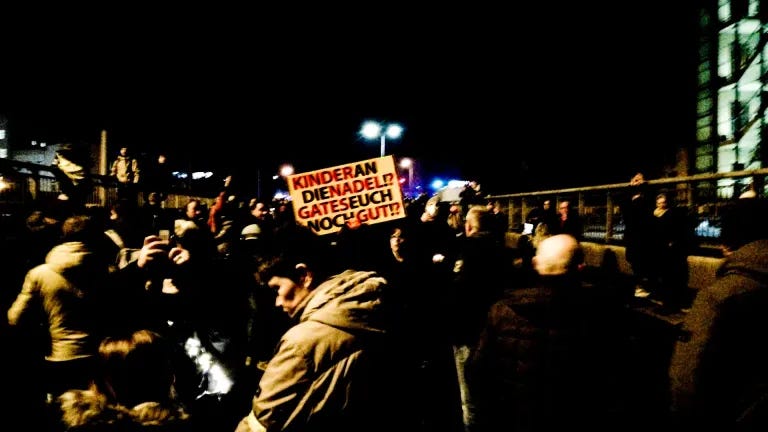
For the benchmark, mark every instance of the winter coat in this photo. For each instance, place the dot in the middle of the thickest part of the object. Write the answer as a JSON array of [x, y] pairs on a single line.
[[125, 169], [525, 369], [59, 294], [718, 372], [323, 375]]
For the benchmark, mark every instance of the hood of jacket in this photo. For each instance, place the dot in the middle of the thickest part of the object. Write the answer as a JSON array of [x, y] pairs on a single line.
[[76, 260], [750, 260], [350, 300]]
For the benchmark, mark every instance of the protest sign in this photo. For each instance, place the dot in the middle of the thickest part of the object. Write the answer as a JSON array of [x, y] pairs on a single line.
[[365, 192]]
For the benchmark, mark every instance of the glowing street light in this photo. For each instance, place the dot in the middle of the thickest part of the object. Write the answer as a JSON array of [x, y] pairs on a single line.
[[286, 170], [373, 130]]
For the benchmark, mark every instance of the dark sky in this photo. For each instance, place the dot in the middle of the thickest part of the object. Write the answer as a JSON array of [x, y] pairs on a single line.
[[516, 99]]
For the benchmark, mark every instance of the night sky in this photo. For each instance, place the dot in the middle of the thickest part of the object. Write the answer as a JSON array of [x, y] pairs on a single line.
[[517, 100]]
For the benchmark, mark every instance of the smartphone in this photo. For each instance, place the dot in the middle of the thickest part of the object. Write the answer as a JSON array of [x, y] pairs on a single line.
[[164, 234]]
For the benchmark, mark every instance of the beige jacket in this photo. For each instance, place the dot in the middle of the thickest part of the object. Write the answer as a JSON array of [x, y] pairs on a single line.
[[320, 377], [58, 295]]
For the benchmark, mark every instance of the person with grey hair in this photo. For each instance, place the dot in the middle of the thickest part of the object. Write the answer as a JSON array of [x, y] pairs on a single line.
[[525, 369]]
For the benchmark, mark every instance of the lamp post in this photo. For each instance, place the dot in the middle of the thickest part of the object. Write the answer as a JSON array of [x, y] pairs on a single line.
[[373, 130], [407, 163]]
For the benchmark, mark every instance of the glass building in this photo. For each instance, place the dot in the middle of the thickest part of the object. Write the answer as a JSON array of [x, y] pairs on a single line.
[[732, 127]]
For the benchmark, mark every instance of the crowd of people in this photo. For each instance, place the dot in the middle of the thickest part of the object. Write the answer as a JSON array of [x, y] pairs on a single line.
[[236, 318]]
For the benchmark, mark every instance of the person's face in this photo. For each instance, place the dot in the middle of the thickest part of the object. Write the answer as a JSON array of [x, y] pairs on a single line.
[[547, 204], [192, 210], [396, 240], [289, 293], [260, 210], [661, 202], [124, 151], [563, 208]]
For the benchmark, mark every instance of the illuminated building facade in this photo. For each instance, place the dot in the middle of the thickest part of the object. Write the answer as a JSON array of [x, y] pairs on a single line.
[[732, 127]]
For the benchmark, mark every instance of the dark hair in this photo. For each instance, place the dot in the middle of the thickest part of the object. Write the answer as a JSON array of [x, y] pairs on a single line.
[[306, 249], [135, 368], [83, 228]]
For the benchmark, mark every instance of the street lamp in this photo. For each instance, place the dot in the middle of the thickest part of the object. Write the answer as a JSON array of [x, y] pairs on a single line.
[[407, 163], [373, 130], [286, 170]]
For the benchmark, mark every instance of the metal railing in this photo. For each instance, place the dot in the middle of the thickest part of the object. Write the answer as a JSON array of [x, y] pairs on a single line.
[[601, 212], [599, 207]]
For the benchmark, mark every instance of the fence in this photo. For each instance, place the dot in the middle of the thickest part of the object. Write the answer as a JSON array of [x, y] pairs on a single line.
[[600, 207]]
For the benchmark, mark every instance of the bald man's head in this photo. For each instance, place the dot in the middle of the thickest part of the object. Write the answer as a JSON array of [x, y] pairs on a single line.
[[557, 255]]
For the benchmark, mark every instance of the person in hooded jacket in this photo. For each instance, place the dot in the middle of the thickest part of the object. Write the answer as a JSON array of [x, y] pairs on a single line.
[[718, 374], [65, 299], [329, 369]]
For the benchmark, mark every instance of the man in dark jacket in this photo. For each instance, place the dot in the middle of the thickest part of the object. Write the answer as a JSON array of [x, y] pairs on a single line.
[[718, 373], [525, 370]]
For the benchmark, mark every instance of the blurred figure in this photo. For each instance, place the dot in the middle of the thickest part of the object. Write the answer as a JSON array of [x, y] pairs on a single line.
[[478, 279], [133, 389], [62, 304], [197, 212], [471, 196], [670, 240], [523, 373], [426, 350], [500, 221], [568, 221], [455, 218], [43, 231], [543, 218], [72, 163], [717, 373], [124, 225], [125, 169], [157, 176], [638, 222], [259, 215], [154, 217]]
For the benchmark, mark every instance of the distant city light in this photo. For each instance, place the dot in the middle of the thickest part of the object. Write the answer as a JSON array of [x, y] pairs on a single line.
[[456, 183], [281, 195], [197, 175]]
